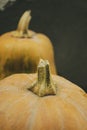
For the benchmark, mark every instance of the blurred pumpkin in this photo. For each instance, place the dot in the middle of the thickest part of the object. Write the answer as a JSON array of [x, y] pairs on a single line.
[[41, 102], [21, 50]]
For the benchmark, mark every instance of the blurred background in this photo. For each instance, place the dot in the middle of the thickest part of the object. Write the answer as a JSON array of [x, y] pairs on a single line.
[[64, 22]]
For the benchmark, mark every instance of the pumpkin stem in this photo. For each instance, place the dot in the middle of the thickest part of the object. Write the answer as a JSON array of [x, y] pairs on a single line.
[[22, 29], [45, 85]]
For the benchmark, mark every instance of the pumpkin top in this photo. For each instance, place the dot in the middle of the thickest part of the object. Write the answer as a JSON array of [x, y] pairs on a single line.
[[51, 103], [21, 49]]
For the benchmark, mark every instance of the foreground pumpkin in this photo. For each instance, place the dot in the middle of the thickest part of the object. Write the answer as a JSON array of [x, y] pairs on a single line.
[[21, 50], [41, 102]]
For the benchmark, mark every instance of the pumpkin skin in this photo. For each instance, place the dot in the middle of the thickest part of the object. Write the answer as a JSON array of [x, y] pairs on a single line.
[[21, 109], [21, 50]]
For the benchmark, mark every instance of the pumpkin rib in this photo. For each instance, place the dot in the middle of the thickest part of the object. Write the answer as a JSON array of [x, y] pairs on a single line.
[[30, 113], [32, 120], [60, 110], [59, 118], [71, 112], [17, 103], [78, 107]]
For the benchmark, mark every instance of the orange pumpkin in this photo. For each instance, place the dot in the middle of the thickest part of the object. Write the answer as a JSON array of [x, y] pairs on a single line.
[[21, 50], [41, 102]]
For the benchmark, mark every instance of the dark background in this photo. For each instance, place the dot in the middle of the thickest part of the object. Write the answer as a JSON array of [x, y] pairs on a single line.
[[65, 23]]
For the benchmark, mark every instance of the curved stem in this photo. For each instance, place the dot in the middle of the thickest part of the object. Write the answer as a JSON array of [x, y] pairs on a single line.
[[23, 24], [45, 85]]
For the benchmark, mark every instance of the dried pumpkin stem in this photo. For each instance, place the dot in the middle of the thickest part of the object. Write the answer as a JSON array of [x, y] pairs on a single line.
[[45, 85], [22, 29]]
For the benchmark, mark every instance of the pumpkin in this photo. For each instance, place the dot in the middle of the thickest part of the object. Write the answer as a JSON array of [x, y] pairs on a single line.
[[41, 101], [21, 50]]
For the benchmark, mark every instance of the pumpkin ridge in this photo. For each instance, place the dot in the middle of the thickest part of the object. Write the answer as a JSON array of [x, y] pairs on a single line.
[[79, 108], [58, 112]]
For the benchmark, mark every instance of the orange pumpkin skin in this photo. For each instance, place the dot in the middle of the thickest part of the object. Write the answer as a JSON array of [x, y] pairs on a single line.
[[22, 55], [21, 52], [21, 109]]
